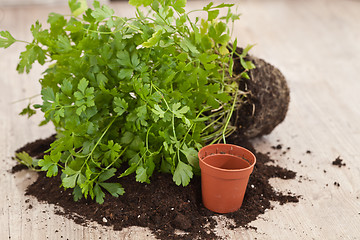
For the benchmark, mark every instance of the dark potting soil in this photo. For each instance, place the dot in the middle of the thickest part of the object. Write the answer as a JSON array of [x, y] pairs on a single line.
[[162, 206], [267, 101]]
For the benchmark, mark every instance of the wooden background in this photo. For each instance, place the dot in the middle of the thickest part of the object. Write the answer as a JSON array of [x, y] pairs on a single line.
[[315, 43]]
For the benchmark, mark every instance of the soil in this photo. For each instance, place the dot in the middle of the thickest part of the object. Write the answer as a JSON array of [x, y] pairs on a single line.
[[268, 99], [162, 206], [339, 162]]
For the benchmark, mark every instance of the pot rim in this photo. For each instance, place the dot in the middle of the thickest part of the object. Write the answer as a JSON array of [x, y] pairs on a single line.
[[251, 160], [251, 165]]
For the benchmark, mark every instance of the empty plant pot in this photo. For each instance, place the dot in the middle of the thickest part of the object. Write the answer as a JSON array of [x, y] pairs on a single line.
[[225, 172]]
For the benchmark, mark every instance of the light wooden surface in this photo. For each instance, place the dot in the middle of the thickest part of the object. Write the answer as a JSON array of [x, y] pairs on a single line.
[[316, 44]]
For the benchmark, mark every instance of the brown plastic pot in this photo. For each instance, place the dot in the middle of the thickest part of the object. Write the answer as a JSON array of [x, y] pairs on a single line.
[[225, 172]]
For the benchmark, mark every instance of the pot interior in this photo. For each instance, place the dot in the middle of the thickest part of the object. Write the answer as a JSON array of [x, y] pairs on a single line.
[[225, 161]]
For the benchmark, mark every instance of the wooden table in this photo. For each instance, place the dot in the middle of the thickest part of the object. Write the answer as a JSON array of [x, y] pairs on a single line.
[[316, 44]]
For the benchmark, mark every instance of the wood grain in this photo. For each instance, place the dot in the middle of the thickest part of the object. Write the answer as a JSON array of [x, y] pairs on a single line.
[[316, 46]]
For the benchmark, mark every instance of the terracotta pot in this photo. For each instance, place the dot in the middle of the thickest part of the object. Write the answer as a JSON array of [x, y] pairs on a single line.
[[225, 172]]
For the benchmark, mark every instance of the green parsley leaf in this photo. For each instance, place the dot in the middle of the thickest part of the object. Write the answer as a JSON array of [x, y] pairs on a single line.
[[49, 164], [114, 189], [158, 111], [120, 106], [138, 3], [153, 40], [179, 113], [123, 58], [99, 194], [130, 170], [208, 7], [107, 174], [101, 80], [192, 156], [141, 175], [179, 6], [187, 45], [77, 7], [183, 173], [102, 13], [83, 85], [77, 193], [66, 87], [64, 44], [246, 50], [6, 40], [70, 181], [28, 111], [213, 14], [127, 138], [125, 73], [48, 94], [27, 160], [29, 56]]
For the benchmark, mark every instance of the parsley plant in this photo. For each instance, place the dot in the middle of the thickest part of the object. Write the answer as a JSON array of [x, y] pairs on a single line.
[[145, 92]]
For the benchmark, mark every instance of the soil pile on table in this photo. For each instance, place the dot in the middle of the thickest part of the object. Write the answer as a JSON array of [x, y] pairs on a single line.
[[162, 206]]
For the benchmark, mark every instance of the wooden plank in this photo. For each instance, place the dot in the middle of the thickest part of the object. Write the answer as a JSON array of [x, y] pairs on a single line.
[[314, 43]]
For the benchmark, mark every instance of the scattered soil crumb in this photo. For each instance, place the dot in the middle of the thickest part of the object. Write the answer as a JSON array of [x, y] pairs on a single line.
[[308, 152], [339, 162], [162, 206], [336, 184], [278, 147]]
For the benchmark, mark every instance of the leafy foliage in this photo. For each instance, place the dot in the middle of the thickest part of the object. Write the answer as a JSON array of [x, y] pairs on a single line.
[[144, 92]]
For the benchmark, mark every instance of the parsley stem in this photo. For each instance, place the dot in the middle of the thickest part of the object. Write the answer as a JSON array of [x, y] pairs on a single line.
[[230, 114], [212, 123], [26, 42], [177, 142], [147, 139], [28, 98], [97, 143], [104, 169]]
